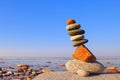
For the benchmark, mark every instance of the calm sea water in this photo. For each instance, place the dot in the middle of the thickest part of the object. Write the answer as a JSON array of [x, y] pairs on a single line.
[[48, 63]]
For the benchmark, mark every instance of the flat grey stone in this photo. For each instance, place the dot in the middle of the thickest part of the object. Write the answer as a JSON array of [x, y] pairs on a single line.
[[80, 42], [76, 32]]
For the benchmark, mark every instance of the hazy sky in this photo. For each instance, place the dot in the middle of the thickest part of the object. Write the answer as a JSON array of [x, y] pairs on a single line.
[[37, 27]]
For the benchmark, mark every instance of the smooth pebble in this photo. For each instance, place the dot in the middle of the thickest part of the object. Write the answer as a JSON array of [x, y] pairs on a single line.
[[73, 26], [82, 73], [76, 32], [80, 42], [76, 37]]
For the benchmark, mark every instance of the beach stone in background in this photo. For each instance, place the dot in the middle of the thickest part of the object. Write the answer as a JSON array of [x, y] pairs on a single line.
[[112, 69], [46, 70], [75, 65]]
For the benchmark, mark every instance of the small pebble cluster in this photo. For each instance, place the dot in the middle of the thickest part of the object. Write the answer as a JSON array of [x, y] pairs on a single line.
[[76, 33], [22, 72]]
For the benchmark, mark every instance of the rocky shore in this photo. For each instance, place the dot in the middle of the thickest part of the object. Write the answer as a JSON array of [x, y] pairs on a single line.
[[21, 72], [28, 72]]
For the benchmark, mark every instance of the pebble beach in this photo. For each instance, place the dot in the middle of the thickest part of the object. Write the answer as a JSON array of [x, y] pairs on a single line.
[[10, 68]]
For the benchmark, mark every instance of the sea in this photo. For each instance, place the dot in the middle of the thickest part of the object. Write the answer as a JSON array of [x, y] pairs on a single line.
[[52, 63]]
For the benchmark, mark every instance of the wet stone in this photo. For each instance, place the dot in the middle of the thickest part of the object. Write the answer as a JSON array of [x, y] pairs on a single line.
[[21, 71]]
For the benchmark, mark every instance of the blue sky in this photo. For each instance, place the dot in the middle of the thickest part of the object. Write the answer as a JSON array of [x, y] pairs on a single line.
[[37, 27]]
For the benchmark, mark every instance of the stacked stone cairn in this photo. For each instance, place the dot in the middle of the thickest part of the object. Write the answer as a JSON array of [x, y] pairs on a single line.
[[84, 62]]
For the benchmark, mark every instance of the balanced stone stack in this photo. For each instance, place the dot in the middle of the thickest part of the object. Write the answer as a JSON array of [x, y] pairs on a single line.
[[76, 33], [83, 62]]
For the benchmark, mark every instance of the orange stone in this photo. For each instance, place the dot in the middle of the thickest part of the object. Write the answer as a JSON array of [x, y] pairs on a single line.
[[112, 70], [70, 21], [62, 64], [83, 53]]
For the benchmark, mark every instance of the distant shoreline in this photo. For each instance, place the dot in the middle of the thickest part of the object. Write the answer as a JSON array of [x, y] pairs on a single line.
[[53, 58]]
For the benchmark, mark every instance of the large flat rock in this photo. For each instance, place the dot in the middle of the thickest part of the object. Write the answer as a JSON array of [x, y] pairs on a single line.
[[74, 65], [65, 75]]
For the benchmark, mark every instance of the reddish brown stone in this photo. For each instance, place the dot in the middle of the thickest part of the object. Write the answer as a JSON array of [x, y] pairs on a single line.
[[70, 21], [112, 69], [83, 53]]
